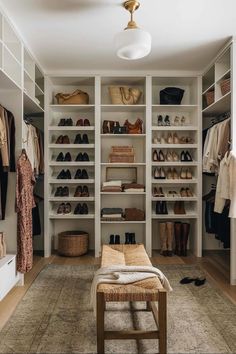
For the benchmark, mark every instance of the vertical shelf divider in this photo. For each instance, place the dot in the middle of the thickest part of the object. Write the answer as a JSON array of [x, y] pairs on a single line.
[[97, 186]]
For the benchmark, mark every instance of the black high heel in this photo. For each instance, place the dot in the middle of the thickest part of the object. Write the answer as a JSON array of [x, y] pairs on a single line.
[[160, 120], [200, 281]]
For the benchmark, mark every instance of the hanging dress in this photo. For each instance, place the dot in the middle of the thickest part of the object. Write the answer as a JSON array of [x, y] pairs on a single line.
[[24, 204]]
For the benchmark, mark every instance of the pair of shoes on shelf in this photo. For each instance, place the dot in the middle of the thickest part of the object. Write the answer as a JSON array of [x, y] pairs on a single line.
[[172, 174], [63, 158], [82, 157], [159, 173], [81, 140], [81, 174], [185, 173], [186, 192], [158, 192], [158, 156], [62, 192], [179, 208], [173, 194], [83, 122], [185, 157], [64, 208], [161, 207], [64, 174], [197, 281], [114, 239], [172, 156], [186, 140], [130, 238], [65, 122], [179, 121], [81, 191], [63, 139], [163, 121], [81, 209], [159, 140], [166, 230]]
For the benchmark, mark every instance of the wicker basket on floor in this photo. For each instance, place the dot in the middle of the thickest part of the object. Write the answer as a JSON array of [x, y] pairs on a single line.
[[73, 243]]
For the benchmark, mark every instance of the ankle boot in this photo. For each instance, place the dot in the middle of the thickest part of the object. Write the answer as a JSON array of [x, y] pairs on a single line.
[[178, 231], [132, 238], [112, 240], [164, 208], [127, 238], [170, 235], [163, 238], [185, 233], [117, 239]]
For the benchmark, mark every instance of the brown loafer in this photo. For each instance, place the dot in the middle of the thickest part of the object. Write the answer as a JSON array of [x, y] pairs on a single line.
[[80, 123], [67, 208], [59, 140], [66, 139], [86, 123], [61, 209], [78, 192], [85, 191]]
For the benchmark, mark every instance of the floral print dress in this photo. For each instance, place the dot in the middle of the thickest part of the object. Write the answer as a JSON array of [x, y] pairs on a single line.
[[24, 204]]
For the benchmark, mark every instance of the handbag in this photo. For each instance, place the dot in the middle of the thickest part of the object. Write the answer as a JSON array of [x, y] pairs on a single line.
[[136, 128], [76, 97], [171, 95], [124, 95], [120, 130], [108, 126], [134, 214]]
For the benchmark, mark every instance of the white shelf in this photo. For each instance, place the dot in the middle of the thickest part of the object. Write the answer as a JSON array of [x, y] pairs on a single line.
[[174, 181], [208, 89], [123, 108], [177, 163], [125, 164], [123, 193], [71, 146], [71, 216], [223, 76], [174, 146], [30, 105], [174, 108], [71, 181], [71, 199], [176, 127], [72, 163], [72, 107], [222, 105], [123, 135], [175, 216], [123, 222], [55, 128], [173, 199]]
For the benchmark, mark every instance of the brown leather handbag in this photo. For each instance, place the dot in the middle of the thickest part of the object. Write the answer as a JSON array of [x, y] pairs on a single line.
[[134, 214], [136, 128], [76, 97]]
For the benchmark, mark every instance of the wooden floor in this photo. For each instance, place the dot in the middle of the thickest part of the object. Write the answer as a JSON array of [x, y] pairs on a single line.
[[215, 264]]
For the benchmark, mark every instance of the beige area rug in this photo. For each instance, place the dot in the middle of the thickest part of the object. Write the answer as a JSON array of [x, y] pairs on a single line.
[[54, 317]]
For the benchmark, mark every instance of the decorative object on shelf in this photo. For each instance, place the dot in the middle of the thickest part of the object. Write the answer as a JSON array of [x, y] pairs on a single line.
[[136, 128], [171, 95], [124, 95], [163, 121], [76, 97], [166, 230], [83, 123], [122, 154], [161, 207], [210, 97], [181, 231], [185, 156], [65, 122], [179, 207], [225, 86], [64, 174], [132, 43], [3, 247], [73, 243], [81, 209], [134, 214], [63, 139]]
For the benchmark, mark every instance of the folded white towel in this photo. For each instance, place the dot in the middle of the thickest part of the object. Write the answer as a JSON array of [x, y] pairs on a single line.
[[112, 184]]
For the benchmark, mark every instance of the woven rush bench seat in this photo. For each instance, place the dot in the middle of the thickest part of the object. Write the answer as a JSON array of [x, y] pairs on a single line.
[[148, 290]]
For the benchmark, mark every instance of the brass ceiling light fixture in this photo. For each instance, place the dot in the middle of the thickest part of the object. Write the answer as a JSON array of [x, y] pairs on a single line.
[[132, 43]]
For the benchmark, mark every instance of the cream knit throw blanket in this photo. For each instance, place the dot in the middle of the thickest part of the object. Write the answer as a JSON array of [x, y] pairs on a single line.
[[122, 274]]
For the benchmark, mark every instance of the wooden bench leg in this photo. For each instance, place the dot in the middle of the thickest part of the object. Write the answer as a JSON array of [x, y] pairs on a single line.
[[100, 323], [162, 309]]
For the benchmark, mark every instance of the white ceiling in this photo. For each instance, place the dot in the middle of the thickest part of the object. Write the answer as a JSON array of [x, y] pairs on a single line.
[[78, 34]]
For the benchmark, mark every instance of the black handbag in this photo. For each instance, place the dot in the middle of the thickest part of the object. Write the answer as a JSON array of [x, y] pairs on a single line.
[[171, 95], [120, 130]]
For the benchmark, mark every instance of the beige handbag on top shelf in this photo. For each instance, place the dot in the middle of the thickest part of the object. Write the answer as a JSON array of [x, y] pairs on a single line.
[[76, 97], [124, 95]]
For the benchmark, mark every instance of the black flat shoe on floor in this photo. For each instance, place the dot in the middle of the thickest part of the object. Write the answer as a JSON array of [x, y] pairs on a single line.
[[200, 281], [188, 280]]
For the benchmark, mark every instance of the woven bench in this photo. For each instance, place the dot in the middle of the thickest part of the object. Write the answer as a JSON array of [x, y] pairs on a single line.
[[148, 290]]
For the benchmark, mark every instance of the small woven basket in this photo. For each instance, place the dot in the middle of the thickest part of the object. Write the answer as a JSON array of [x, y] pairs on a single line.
[[225, 86], [73, 243], [210, 97]]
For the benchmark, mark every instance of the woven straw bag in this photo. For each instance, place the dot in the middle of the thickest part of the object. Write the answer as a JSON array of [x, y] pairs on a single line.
[[124, 95], [76, 97]]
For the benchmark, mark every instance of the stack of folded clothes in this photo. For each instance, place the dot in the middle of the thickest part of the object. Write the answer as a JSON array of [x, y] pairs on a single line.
[[112, 186], [110, 214], [133, 187]]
